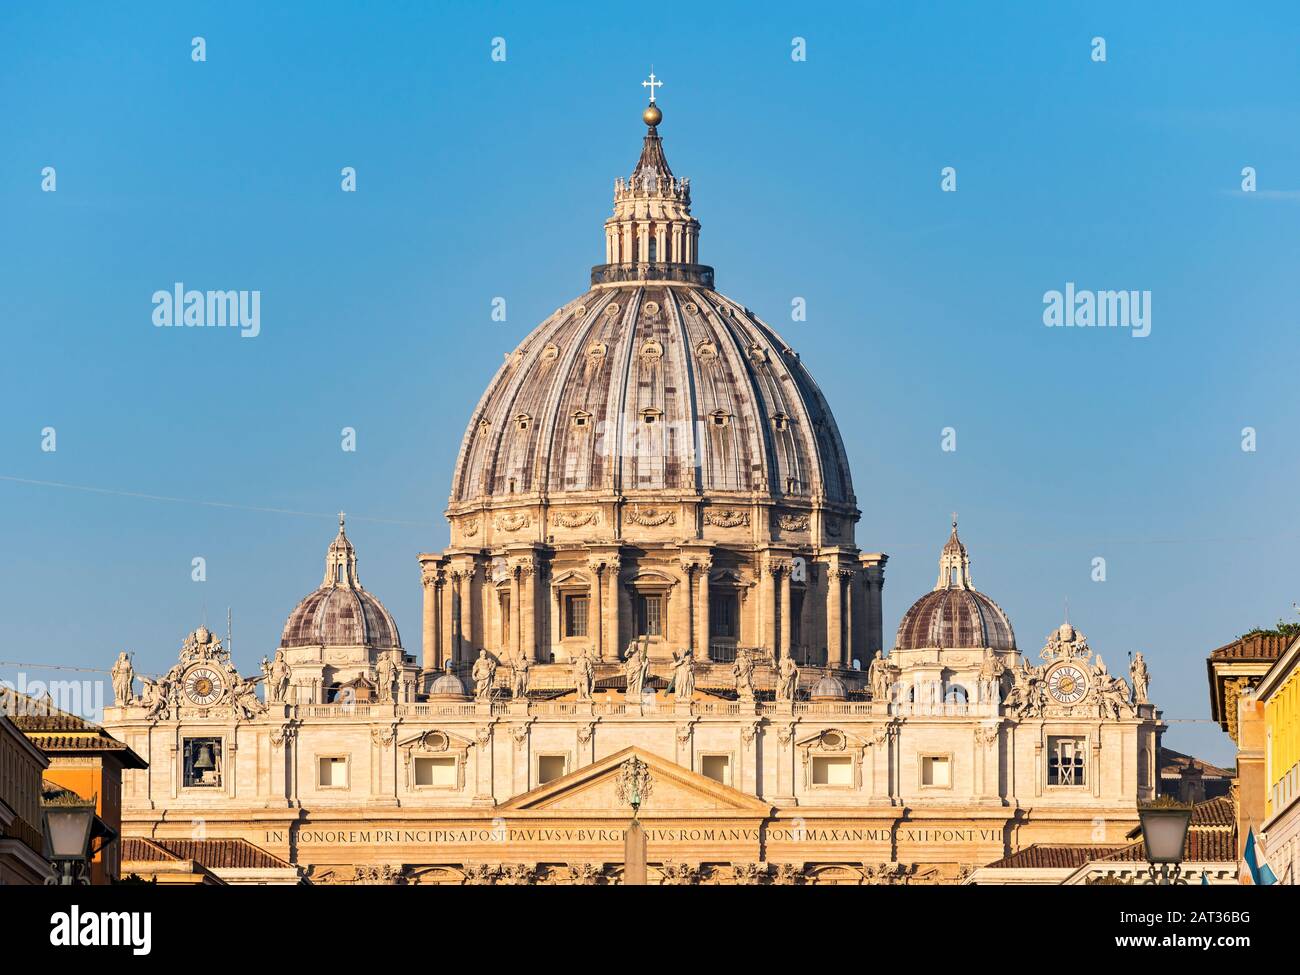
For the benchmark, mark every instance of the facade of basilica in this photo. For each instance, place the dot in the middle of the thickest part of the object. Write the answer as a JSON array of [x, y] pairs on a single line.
[[652, 576]]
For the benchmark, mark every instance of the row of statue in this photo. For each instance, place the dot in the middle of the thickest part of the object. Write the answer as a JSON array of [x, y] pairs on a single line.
[[636, 673], [1020, 688]]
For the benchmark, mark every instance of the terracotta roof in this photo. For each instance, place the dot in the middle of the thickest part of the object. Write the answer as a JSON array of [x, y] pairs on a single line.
[[53, 730], [1220, 812], [136, 849], [1172, 763], [1211, 838], [1041, 857], [1253, 646], [1203, 846], [211, 854]]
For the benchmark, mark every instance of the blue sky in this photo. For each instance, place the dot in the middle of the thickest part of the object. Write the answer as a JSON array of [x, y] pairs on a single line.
[[817, 179]]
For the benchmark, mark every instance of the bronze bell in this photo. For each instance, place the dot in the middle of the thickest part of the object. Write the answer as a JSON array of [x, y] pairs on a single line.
[[205, 761]]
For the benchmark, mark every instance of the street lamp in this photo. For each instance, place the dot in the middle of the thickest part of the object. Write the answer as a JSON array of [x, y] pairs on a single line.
[[67, 824], [1164, 835]]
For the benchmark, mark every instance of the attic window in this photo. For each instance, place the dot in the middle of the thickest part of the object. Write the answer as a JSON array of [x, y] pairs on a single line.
[[523, 420], [581, 418], [719, 418], [650, 416], [781, 421]]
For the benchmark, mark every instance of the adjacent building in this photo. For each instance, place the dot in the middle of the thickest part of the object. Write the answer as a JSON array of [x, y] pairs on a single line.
[[22, 860]]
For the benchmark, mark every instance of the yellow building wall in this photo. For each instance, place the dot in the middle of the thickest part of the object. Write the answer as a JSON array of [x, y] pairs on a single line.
[[1282, 730]]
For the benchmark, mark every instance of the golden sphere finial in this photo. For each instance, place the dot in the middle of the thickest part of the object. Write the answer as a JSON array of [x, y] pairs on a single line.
[[652, 115]]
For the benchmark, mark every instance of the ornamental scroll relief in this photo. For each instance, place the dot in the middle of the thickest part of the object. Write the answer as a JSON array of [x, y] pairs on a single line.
[[793, 523], [651, 517], [726, 517], [576, 519], [512, 522]]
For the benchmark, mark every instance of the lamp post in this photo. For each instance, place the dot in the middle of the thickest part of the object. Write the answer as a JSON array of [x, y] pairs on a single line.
[[1164, 824], [67, 824]]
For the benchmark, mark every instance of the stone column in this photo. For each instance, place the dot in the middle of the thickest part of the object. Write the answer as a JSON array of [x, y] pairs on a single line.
[[702, 651], [612, 567], [849, 646], [515, 599], [689, 592], [466, 629], [768, 607], [528, 610], [873, 566], [593, 609], [432, 580], [786, 629], [834, 616]]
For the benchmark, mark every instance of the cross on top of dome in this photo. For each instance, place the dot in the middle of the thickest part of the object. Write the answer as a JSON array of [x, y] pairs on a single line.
[[652, 84]]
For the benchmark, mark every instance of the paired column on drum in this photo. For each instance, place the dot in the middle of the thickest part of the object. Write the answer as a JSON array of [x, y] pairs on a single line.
[[777, 632], [523, 605], [839, 612], [696, 566], [604, 565]]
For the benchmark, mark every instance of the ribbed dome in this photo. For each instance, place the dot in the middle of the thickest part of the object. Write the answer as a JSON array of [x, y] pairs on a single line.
[[627, 387], [955, 618], [341, 613], [653, 381], [955, 615]]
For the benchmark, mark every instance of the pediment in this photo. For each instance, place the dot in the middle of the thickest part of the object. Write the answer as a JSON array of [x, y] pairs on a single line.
[[832, 740], [675, 791], [435, 740]]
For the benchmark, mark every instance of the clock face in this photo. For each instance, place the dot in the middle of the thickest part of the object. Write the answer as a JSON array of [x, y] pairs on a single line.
[[1067, 684], [204, 686]]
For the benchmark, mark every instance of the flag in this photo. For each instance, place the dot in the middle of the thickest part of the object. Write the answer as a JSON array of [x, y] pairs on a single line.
[[1260, 873]]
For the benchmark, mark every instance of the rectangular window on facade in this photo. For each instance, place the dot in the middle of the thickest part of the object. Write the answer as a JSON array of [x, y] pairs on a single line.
[[717, 768], [435, 773], [722, 615], [832, 770], [1065, 760], [202, 758], [936, 771], [576, 614], [649, 616], [549, 768], [333, 772], [504, 602]]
